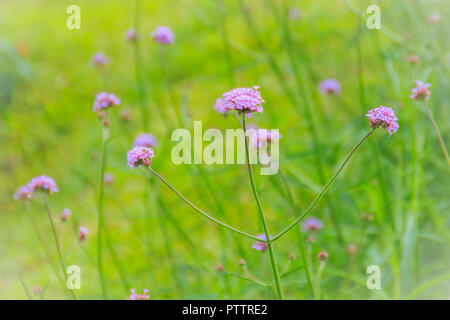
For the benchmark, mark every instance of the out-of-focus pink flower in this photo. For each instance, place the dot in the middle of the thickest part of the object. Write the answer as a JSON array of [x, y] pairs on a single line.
[[100, 59], [312, 224], [219, 106], [36, 290], [414, 59], [42, 183], [294, 13], [135, 296], [260, 245], [323, 255], [263, 136], [434, 18], [140, 156], [104, 100], [243, 100], [383, 117], [65, 214], [131, 35], [83, 234], [23, 192], [163, 35], [420, 91], [108, 178], [145, 140], [352, 248], [330, 86], [125, 115]]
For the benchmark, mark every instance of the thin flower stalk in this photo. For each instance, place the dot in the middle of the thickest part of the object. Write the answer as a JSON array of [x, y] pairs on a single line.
[[273, 260], [438, 133]]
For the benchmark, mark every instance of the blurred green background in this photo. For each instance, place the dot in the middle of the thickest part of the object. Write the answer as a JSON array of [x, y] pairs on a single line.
[[153, 240]]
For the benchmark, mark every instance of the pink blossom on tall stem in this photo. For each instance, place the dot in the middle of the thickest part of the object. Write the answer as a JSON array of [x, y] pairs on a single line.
[[145, 140], [42, 183], [263, 136], [131, 35], [136, 296], [140, 157], [434, 18], [104, 100], [330, 86], [108, 178], [322, 256], [243, 100], [163, 35], [260, 245], [383, 117], [23, 192], [65, 214], [100, 59], [219, 106], [312, 224], [420, 91], [83, 234]]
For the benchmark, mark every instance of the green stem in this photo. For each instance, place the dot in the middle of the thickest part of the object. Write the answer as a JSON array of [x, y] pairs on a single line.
[[199, 210], [273, 260], [58, 248], [325, 188], [100, 216], [318, 278], [438, 133]]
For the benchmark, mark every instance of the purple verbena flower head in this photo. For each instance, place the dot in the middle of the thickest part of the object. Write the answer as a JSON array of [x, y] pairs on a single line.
[[420, 91], [261, 245], [323, 255], [65, 214], [83, 234], [383, 117], [434, 18], [108, 178], [136, 296], [219, 106], [100, 59], [260, 137], [330, 86], [131, 35], [42, 183], [104, 100], [163, 35], [312, 224], [243, 100], [145, 140], [140, 157], [23, 192]]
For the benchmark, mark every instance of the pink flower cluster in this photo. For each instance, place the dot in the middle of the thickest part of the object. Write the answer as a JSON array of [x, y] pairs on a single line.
[[163, 35], [100, 59], [83, 234], [140, 156], [261, 245], [330, 86], [135, 296], [42, 183], [263, 136], [23, 192], [312, 224], [145, 140], [65, 214], [104, 100], [219, 106], [383, 117], [131, 35], [243, 100], [420, 91]]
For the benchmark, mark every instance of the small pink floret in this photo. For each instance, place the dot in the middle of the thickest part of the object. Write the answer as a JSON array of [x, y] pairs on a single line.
[[145, 140], [43, 183], [163, 35], [243, 100], [330, 86], [383, 117], [136, 296], [104, 100], [420, 91], [140, 157]]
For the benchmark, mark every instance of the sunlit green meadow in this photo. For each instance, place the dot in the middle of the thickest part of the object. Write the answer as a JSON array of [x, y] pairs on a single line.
[[151, 238]]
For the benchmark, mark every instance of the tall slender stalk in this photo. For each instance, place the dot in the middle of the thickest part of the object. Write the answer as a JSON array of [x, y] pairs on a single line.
[[100, 224], [438, 133], [273, 259], [58, 248], [325, 188]]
